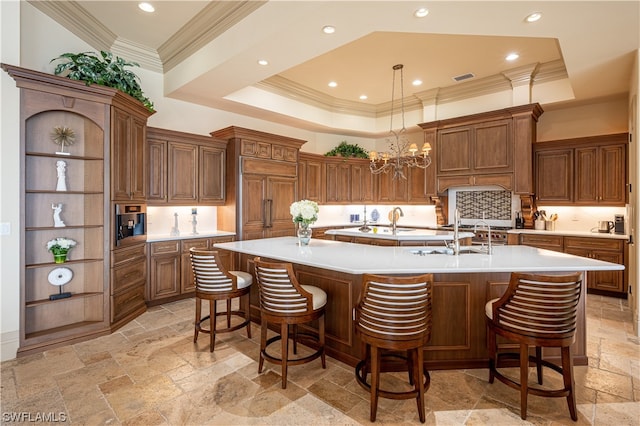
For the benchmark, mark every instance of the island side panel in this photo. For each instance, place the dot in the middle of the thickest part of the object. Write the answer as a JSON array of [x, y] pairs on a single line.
[[459, 337]]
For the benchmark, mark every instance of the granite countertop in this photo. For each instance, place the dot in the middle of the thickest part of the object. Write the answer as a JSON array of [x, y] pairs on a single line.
[[402, 233], [186, 236], [362, 258], [563, 233]]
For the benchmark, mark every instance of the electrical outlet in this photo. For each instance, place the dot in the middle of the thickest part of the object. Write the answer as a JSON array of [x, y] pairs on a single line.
[[5, 228]]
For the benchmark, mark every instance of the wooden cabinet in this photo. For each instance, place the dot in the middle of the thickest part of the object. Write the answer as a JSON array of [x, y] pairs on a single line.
[[362, 182], [492, 148], [128, 280], [262, 170], [582, 171], [170, 274], [338, 181], [128, 159], [604, 249], [65, 195], [185, 168], [310, 177], [390, 190], [611, 283]]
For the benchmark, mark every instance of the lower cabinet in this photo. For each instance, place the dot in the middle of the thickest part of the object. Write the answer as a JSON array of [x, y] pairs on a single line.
[[611, 283], [170, 276], [128, 279]]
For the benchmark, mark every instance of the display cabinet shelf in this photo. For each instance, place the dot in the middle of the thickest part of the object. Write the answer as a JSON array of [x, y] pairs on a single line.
[[48, 228], [62, 157], [64, 332], [40, 265], [67, 299]]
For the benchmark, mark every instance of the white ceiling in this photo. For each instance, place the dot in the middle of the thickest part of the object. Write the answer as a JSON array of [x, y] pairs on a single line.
[[208, 51]]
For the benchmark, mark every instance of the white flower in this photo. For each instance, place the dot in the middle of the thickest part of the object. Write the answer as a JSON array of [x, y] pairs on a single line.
[[304, 211], [60, 244]]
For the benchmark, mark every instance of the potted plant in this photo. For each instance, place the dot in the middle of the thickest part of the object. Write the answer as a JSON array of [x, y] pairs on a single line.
[[60, 246], [105, 70], [348, 150]]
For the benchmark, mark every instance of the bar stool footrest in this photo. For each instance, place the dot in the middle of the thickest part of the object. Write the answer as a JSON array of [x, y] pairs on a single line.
[[362, 381], [306, 337], [533, 390], [239, 314]]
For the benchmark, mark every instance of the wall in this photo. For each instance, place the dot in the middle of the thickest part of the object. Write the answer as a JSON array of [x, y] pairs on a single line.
[[632, 214]]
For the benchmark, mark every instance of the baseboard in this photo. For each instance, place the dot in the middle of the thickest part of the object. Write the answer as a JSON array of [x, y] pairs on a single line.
[[9, 344]]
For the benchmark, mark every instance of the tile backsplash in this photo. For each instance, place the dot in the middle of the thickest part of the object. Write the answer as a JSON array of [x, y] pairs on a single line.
[[493, 204]]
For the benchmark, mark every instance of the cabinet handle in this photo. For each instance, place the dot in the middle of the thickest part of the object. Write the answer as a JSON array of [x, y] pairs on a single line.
[[267, 213]]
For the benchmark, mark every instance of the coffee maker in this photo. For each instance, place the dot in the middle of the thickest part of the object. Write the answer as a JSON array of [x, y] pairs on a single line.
[[618, 224]]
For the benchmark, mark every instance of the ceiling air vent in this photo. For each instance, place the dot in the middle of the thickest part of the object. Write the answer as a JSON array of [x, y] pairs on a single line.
[[463, 77]]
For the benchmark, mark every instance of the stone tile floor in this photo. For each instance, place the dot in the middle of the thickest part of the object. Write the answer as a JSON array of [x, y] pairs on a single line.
[[151, 373]]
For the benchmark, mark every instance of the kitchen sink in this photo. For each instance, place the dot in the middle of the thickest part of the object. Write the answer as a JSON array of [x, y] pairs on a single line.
[[386, 230], [444, 250]]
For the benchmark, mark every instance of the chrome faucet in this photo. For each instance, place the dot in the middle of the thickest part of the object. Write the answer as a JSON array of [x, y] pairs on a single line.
[[456, 233], [394, 220], [487, 226]]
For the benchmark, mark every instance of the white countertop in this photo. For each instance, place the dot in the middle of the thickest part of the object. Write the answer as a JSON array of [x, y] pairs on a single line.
[[402, 234], [362, 258], [186, 236]]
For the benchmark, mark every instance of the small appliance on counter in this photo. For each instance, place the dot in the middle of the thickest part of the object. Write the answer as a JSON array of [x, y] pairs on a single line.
[[618, 224], [605, 226]]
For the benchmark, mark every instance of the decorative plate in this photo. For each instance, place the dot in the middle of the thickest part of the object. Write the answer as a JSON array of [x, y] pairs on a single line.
[[60, 276], [375, 215]]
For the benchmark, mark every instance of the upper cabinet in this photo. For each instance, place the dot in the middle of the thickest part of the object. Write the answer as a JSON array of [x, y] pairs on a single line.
[[128, 160], [185, 168], [492, 148], [582, 171]]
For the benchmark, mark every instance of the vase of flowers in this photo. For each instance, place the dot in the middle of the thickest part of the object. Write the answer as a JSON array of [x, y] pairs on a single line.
[[60, 246], [304, 213]]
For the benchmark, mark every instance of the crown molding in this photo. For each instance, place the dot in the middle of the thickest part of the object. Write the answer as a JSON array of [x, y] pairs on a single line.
[[214, 19], [76, 19], [550, 71], [521, 76], [146, 57]]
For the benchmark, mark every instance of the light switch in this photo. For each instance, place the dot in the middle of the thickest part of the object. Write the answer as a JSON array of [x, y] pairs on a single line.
[[5, 228]]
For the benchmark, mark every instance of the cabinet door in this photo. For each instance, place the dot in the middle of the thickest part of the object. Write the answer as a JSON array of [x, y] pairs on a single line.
[[120, 156], [165, 277], [310, 181], [612, 166], [607, 280], [421, 185], [493, 147], [157, 163], [586, 174], [554, 175], [338, 177], [183, 173], [137, 159], [454, 150], [282, 191], [253, 206], [187, 283], [361, 184], [392, 190], [211, 176]]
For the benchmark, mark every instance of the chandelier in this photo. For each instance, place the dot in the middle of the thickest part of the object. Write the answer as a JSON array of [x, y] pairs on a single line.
[[401, 153]]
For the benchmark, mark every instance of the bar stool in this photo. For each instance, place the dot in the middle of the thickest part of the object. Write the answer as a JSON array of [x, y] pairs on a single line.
[[213, 282], [539, 311], [394, 314], [284, 301]]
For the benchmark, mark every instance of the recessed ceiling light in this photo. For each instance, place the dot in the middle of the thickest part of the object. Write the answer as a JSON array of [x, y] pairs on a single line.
[[333, 84], [147, 7], [533, 17], [512, 56], [421, 13], [328, 29], [263, 62], [363, 97], [416, 82]]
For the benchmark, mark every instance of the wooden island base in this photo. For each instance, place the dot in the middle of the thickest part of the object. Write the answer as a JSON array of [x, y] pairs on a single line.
[[458, 338]]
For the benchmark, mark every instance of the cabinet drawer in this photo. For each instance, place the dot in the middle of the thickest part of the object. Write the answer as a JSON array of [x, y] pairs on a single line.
[[128, 254], [550, 242], [127, 302], [593, 243], [200, 243], [129, 275], [165, 247]]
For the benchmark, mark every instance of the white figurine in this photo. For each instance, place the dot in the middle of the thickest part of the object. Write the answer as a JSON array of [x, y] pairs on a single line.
[[175, 232], [62, 183], [57, 209]]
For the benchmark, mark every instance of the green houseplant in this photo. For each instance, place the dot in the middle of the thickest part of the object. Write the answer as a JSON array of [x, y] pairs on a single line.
[[105, 70], [348, 150]]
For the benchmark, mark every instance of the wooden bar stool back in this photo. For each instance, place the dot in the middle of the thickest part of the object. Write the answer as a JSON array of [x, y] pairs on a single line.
[[394, 314], [284, 301], [538, 311], [214, 282]]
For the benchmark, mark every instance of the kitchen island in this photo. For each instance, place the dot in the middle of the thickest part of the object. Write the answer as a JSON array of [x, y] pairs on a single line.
[[462, 286], [383, 235]]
